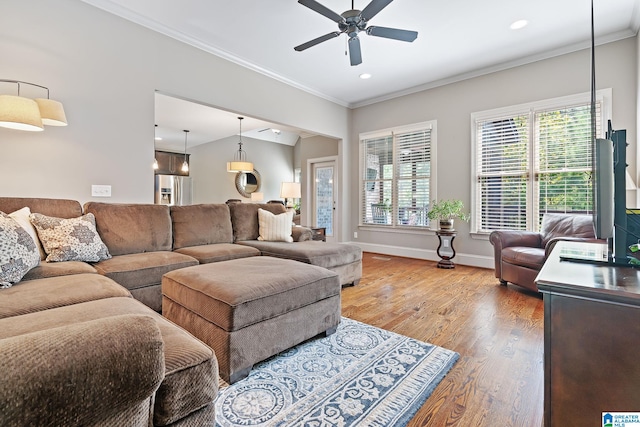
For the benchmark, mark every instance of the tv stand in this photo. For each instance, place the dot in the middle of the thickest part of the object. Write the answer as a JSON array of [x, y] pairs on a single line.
[[591, 337]]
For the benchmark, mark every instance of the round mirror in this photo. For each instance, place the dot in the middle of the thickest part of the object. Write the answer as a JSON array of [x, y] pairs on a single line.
[[248, 182]]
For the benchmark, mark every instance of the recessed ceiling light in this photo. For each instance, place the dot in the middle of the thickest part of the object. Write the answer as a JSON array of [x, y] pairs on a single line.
[[276, 131], [519, 24], [365, 76]]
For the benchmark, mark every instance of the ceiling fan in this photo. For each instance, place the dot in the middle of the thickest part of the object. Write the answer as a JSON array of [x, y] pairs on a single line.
[[352, 22]]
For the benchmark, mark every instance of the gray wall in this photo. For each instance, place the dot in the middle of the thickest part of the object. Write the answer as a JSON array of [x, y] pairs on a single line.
[[105, 71], [213, 184], [452, 105]]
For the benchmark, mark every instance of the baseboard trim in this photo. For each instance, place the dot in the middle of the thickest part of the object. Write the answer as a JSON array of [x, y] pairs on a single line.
[[426, 254]]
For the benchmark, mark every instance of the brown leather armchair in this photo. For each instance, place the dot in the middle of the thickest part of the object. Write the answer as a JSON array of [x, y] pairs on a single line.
[[519, 255]]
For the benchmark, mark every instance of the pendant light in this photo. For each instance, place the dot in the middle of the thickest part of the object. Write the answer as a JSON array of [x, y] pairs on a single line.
[[240, 163], [185, 165], [18, 112]]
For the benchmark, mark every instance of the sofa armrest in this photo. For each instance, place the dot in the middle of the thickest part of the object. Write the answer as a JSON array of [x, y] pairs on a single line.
[[501, 239], [301, 234], [99, 372], [552, 243]]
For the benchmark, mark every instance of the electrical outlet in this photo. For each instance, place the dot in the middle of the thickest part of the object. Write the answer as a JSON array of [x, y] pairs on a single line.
[[101, 190], [355, 234]]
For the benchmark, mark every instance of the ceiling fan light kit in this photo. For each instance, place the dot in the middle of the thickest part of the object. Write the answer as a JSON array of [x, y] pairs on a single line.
[[352, 22]]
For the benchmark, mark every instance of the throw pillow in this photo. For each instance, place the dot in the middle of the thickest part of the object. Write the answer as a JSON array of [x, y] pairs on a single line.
[[22, 217], [73, 239], [275, 228], [18, 252]]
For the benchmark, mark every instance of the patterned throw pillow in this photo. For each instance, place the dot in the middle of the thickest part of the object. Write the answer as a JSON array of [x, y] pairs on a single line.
[[22, 217], [275, 228], [74, 239], [18, 251]]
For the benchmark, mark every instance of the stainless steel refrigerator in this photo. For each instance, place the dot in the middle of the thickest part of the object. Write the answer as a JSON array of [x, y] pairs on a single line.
[[173, 190]]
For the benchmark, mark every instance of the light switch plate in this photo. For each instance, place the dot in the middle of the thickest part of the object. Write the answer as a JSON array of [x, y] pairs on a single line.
[[101, 190]]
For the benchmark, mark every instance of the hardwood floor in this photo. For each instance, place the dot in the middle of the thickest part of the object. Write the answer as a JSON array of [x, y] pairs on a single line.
[[498, 331]]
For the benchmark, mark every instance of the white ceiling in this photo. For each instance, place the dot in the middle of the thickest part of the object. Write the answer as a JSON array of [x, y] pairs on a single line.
[[207, 124], [457, 39]]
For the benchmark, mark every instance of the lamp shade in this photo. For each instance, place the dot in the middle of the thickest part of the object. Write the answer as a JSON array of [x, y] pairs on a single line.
[[237, 166], [52, 112], [17, 112], [290, 190]]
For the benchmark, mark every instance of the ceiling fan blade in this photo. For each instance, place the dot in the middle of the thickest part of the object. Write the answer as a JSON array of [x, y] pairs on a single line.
[[373, 8], [393, 33], [355, 54], [322, 10], [316, 41]]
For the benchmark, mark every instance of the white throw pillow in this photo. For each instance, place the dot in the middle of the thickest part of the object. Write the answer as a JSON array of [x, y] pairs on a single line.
[[22, 217], [73, 239], [275, 228], [18, 252]]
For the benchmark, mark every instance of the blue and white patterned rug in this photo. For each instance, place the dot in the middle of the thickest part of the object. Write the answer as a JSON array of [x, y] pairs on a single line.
[[359, 376]]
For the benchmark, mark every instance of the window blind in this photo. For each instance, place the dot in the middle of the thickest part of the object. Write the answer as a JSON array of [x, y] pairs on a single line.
[[529, 164], [413, 166], [396, 177]]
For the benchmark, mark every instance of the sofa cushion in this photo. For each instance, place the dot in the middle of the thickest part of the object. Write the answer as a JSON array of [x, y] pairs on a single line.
[[67, 375], [70, 239], [60, 208], [322, 254], [143, 269], [191, 370], [54, 269], [43, 294], [524, 256], [563, 225], [18, 251], [132, 228], [275, 228], [244, 218], [195, 225], [218, 252]]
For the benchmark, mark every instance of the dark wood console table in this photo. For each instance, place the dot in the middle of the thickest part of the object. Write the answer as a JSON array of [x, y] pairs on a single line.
[[591, 339]]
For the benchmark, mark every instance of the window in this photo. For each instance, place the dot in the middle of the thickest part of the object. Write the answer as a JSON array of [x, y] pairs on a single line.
[[397, 172], [533, 159]]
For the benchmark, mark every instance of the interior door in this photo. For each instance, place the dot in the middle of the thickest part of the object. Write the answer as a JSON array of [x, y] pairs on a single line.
[[325, 197]]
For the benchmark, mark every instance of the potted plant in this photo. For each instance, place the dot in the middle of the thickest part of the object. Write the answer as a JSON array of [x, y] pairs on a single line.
[[445, 211]]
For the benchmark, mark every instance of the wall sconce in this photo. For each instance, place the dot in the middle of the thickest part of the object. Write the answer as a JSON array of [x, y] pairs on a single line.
[[18, 112], [290, 190], [239, 162]]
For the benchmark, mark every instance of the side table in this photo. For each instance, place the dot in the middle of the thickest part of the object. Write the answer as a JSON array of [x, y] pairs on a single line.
[[445, 248]]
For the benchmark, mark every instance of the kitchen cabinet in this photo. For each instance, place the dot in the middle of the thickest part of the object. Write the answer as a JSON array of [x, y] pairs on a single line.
[[170, 163]]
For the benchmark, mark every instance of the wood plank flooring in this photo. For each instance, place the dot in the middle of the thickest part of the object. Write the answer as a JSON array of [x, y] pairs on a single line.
[[498, 331]]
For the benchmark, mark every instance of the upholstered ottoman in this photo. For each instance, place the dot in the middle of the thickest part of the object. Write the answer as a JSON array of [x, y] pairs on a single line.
[[342, 258], [249, 309]]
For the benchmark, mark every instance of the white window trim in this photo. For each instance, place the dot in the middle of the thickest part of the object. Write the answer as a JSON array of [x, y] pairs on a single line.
[[602, 95], [430, 124]]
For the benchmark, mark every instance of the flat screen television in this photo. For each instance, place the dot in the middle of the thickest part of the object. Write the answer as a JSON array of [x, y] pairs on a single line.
[[603, 192]]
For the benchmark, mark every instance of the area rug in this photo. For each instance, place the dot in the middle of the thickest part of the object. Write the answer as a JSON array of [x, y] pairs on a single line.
[[359, 376]]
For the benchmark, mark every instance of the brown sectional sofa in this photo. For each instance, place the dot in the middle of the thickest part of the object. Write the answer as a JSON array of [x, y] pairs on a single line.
[[82, 351], [145, 241]]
